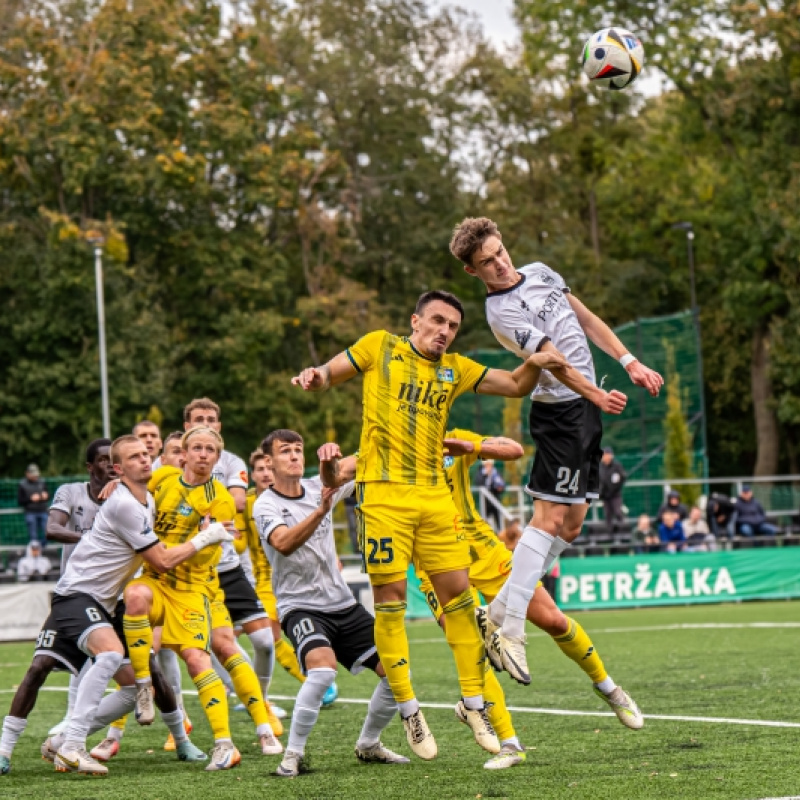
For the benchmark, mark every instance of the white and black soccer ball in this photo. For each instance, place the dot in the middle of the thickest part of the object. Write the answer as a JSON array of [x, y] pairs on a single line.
[[613, 58]]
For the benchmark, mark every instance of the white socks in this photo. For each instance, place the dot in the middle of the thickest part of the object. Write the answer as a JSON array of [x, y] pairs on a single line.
[[263, 657], [307, 705], [174, 721], [111, 708], [171, 667], [90, 693], [607, 686], [222, 672], [408, 707], [382, 708], [13, 728]]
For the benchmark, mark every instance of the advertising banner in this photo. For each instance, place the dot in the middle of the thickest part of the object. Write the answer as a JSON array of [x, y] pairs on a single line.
[[661, 579]]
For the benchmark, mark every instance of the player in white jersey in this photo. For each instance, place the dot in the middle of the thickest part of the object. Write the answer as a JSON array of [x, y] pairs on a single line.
[[528, 311], [317, 610], [81, 621], [237, 603], [71, 515]]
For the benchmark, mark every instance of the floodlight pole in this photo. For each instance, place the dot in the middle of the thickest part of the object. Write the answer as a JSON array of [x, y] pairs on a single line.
[[101, 333]]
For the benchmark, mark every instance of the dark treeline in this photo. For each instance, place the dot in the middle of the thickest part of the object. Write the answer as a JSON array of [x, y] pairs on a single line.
[[273, 184]]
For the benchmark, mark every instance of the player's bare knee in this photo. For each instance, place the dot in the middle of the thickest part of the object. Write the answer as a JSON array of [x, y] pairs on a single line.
[[320, 658], [197, 661], [137, 600]]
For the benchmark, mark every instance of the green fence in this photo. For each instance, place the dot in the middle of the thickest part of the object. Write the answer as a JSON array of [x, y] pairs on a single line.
[[12, 523]]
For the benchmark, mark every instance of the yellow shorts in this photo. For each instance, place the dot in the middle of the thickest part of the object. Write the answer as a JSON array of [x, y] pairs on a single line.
[[220, 618], [267, 598], [399, 523], [185, 616]]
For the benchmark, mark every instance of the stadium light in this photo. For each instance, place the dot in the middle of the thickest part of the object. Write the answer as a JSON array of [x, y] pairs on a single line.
[[97, 241]]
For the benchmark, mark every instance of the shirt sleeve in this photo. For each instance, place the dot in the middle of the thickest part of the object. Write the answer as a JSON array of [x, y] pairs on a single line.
[[236, 476], [268, 518], [132, 525], [159, 475], [63, 499], [471, 375], [363, 353], [516, 330]]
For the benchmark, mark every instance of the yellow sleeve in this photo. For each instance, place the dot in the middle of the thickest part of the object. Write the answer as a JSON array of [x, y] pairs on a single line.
[[472, 374], [363, 353], [223, 509], [468, 436], [159, 475]]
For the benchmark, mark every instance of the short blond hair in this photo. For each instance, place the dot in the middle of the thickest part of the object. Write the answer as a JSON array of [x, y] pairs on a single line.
[[469, 236], [202, 429], [201, 402], [256, 456], [119, 443]]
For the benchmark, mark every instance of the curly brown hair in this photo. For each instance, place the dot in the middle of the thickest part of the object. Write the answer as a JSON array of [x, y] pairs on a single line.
[[469, 236]]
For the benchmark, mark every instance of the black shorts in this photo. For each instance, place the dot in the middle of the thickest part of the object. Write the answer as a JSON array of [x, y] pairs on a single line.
[[566, 468], [241, 599], [72, 618], [349, 633]]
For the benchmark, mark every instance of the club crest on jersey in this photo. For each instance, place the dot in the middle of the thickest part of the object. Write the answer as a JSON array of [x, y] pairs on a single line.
[[444, 374], [184, 509], [448, 462]]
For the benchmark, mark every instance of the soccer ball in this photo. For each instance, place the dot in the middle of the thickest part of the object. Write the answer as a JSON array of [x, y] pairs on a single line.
[[613, 57]]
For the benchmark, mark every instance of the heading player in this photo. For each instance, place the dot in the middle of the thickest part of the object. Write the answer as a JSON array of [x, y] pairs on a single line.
[[533, 310], [315, 604], [405, 507]]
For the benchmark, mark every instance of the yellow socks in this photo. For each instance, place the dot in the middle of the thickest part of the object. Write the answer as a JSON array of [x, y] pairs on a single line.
[[211, 693], [499, 714], [577, 645], [287, 658], [392, 643], [248, 689], [461, 632], [139, 637]]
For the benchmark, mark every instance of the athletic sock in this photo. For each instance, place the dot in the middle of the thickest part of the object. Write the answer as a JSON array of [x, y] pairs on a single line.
[[116, 730], [113, 707], [498, 712], [526, 571], [248, 691], [606, 686], [13, 728], [307, 705], [511, 740], [212, 697], [174, 721], [556, 549], [577, 645], [170, 666], [287, 658], [382, 708], [263, 657], [461, 632], [222, 673], [90, 694], [392, 643], [139, 637]]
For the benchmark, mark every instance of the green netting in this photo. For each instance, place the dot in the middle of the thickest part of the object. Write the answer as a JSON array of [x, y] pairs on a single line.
[[12, 525], [637, 435]]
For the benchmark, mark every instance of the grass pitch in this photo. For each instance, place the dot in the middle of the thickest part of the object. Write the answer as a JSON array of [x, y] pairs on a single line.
[[725, 663]]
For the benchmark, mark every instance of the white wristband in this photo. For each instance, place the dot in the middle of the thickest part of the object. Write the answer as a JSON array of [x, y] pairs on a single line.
[[628, 358]]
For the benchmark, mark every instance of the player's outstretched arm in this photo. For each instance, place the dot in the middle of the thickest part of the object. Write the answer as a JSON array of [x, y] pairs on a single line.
[[334, 469], [286, 540], [521, 381], [56, 530], [318, 379], [499, 448], [609, 342], [163, 559]]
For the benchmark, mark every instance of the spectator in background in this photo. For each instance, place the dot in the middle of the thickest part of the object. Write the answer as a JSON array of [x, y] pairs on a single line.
[[509, 536], [32, 496], [612, 479], [719, 514], [673, 503], [33, 566], [490, 479], [751, 519], [699, 538], [645, 537], [670, 532]]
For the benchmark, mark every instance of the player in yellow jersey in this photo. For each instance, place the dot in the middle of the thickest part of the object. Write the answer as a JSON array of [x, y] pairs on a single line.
[[405, 508], [262, 475], [180, 599], [491, 566]]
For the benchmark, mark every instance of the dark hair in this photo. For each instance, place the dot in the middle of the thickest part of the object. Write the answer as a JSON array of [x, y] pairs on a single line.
[[444, 297], [280, 435], [469, 236], [145, 422], [91, 450], [174, 435]]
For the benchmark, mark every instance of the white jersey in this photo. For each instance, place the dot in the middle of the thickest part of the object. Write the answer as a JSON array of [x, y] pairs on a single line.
[[310, 577], [534, 311], [108, 555], [76, 502], [231, 472]]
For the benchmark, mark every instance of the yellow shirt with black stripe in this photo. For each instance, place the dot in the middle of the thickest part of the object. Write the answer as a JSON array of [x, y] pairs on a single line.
[[406, 401], [180, 509], [262, 569]]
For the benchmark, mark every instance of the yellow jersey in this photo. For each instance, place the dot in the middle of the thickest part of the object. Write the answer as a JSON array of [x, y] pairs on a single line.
[[180, 509], [407, 398], [456, 470], [262, 569]]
